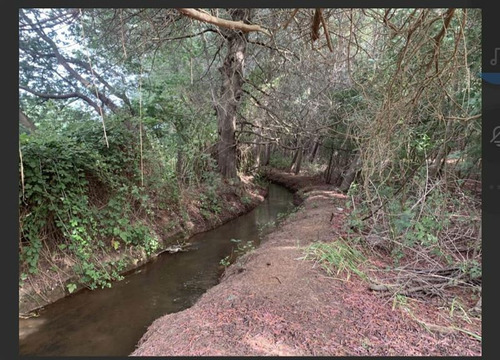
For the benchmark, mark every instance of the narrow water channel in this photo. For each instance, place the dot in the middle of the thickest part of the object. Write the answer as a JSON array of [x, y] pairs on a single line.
[[110, 322]]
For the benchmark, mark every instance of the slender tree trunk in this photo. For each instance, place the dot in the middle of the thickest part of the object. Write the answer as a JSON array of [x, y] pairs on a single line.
[[179, 165], [26, 122], [257, 149], [295, 156], [314, 151], [256, 156], [298, 163], [440, 159], [232, 81], [328, 171], [333, 172], [351, 173], [267, 155]]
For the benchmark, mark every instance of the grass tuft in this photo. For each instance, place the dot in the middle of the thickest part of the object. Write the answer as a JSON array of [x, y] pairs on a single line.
[[337, 258]]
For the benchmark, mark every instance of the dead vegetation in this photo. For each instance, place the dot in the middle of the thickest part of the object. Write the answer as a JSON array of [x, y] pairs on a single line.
[[274, 301]]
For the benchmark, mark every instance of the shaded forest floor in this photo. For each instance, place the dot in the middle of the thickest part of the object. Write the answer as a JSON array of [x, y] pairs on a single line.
[[272, 301]]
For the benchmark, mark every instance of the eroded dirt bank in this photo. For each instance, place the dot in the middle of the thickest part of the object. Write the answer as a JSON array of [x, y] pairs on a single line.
[[273, 302]]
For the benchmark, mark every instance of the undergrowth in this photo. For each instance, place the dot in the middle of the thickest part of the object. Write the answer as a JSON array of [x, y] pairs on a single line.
[[81, 202], [431, 232], [77, 196]]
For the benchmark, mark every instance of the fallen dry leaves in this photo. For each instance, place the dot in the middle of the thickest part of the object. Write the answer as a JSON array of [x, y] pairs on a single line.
[[305, 312]]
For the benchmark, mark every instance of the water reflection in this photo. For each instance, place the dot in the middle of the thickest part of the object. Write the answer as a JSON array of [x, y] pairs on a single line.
[[109, 322]]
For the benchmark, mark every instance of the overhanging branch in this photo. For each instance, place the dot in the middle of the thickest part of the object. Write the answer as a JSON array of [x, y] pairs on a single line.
[[229, 24], [64, 63], [62, 96]]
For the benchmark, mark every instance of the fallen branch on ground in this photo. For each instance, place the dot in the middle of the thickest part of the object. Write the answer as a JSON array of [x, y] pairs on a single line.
[[418, 282]]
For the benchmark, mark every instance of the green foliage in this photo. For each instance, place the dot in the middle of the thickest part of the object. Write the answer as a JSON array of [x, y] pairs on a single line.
[[225, 261], [243, 248], [429, 225], [182, 122], [399, 301], [71, 287], [66, 172], [337, 258], [472, 269], [347, 100], [86, 200], [419, 226], [279, 161], [261, 180], [240, 249], [246, 200], [354, 223], [210, 202]]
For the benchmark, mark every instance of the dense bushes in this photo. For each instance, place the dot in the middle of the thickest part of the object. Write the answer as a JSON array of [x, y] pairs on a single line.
[[76, 196]]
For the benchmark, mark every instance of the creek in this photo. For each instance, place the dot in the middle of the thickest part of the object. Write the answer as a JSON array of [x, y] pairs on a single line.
[[110, 322]]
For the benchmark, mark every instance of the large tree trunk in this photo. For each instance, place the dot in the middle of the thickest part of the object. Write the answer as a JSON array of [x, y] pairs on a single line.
[[232, 81]]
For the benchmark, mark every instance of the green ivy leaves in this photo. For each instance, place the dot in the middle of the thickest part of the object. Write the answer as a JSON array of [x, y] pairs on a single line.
[[61, 207]]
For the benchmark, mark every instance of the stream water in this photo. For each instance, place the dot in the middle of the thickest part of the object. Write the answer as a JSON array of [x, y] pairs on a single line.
[[110, 322]]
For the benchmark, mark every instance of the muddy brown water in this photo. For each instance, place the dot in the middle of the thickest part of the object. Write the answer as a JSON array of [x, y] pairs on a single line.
[[110, 322]]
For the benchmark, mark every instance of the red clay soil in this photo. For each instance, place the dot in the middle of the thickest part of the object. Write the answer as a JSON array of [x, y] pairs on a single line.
[[273, 302]]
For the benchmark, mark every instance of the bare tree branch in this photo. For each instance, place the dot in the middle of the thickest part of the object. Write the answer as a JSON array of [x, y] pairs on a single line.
[[273, 48], [315, 25], [62, 96], [325, 27], [229, 24], [291, 18], [190, 35]]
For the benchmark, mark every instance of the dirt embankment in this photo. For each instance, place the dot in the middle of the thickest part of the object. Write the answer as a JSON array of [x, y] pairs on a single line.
[[273, 302], [49, 285]]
